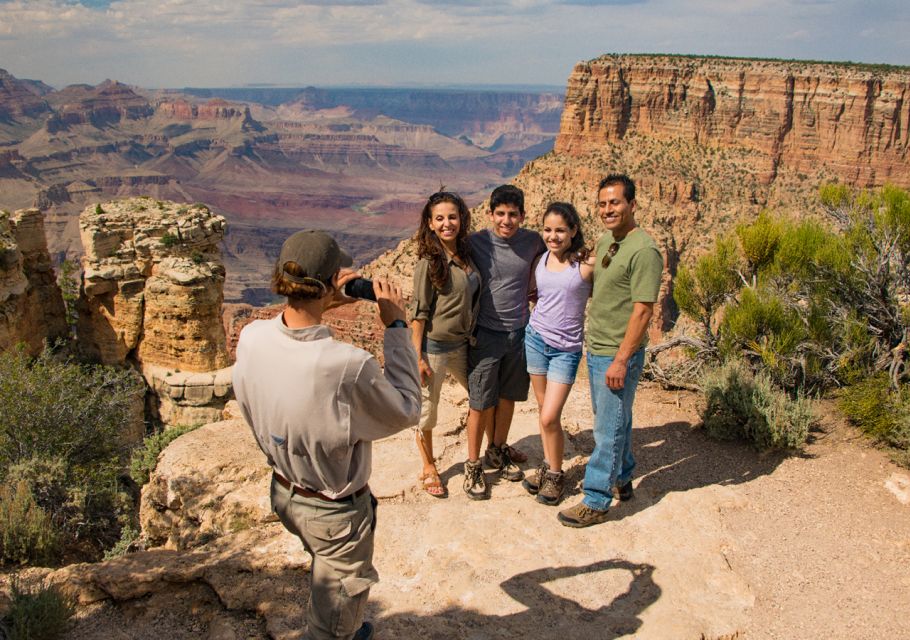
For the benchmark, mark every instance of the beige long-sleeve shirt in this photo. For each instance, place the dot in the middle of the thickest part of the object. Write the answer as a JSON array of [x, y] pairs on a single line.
[[315, 404]]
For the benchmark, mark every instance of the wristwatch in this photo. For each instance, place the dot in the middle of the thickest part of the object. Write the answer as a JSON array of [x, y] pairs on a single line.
[[397, 323]]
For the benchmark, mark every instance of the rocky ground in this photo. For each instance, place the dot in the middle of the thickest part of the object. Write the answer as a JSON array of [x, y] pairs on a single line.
[[718, 542]]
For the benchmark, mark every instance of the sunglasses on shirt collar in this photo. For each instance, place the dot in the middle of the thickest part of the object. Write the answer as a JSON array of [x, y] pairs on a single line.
[[612, 250]]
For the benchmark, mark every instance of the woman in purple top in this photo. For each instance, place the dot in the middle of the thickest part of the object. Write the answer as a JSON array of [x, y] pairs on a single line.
[[555, 336]]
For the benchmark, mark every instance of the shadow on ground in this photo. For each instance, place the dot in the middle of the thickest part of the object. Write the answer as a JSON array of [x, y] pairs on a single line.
[[545, 609], [195, 605], [671, 457]]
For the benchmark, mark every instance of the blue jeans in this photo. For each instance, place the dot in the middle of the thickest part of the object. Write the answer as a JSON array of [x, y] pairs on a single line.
[[612, 461]]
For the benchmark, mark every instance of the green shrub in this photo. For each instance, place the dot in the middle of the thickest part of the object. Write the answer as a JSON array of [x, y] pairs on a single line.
[[700, 291], [759, 241], [145, 457], [128, 535], [36, 613], [60, 426], [741, 405], [169, 240], [98, 209], [26, 531], [873, 406]]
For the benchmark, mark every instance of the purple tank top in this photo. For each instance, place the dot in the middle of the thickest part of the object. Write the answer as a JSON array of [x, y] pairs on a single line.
[[559, 315]]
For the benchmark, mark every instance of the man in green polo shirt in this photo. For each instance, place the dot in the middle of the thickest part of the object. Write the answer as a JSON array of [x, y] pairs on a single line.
[[626, 282]]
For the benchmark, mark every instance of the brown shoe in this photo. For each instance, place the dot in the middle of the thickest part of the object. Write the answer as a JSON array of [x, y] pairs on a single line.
[[531, 483], [475, 483], [581, 515], [551, 487], [498, 458], [624, 492]]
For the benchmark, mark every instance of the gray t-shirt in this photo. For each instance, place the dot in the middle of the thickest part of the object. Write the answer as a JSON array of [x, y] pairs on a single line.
[[505, 268]]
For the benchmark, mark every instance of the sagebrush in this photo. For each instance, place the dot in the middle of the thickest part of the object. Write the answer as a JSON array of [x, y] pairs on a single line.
[[740, 405], [60, 426], [38, 612]]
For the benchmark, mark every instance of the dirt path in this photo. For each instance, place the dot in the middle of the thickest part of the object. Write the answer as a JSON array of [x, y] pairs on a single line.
[[719, 542]]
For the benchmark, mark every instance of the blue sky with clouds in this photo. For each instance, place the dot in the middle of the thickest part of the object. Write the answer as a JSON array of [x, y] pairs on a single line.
[[176, 43]]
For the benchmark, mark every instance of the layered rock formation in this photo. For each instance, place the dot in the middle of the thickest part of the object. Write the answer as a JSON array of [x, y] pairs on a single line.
[[852, 119], [19, 98], [31, 303], [108, 103], [152, 292]]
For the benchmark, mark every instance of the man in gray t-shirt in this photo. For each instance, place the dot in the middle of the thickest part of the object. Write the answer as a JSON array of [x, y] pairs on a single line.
[[497, 372]]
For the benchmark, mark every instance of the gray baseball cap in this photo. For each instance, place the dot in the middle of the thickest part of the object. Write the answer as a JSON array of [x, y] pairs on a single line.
[[316, 253]]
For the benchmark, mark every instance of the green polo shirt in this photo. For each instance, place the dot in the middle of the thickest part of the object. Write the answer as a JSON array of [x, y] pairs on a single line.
[[633, 275]]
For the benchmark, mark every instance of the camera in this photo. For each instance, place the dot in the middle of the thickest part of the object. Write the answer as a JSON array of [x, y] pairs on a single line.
[[360, 288]]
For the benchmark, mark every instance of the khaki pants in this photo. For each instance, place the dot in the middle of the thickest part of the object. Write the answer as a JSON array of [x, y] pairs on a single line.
[[339, 536], [454, 362]]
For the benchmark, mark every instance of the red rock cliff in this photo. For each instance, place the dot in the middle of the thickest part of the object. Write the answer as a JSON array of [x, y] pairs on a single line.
[[852, 120]]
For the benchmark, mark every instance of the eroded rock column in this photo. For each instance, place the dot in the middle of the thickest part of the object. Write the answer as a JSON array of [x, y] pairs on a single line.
[[153, 284]]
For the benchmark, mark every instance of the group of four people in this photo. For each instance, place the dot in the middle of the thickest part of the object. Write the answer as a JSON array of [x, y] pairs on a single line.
[[469, 317], [315, 404]]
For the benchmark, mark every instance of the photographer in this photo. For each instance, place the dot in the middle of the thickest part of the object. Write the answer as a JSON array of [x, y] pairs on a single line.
[[314, 405]]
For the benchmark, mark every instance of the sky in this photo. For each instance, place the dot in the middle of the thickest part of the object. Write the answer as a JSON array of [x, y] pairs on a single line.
[[220, 43]]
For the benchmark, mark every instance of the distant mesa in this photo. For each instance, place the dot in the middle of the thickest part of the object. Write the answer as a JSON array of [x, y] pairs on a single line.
[[849, 119], [21, 97]]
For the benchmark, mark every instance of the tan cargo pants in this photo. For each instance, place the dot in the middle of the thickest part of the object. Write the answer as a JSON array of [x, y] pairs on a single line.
[[339, 536]]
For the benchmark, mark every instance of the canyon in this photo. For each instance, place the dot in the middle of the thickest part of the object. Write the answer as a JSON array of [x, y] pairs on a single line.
[[711, 142], [359, 162]]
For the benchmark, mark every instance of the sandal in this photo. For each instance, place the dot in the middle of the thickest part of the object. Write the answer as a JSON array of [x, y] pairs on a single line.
[[432, 484]]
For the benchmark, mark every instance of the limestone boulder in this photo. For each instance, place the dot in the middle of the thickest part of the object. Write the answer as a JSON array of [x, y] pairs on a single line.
[[208, 483]]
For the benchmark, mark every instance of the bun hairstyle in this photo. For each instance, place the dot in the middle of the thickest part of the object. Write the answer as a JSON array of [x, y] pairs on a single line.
[[430, 248], [577, 251], [312, 289], [308, 261]]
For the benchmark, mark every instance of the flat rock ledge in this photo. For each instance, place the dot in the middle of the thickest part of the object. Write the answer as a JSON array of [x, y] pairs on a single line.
[[502, 568]]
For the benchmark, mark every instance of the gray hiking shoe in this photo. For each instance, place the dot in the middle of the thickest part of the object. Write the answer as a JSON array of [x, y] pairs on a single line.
[[475, 483], [531, 483], [581, 515], [551, 487], [498, 458]]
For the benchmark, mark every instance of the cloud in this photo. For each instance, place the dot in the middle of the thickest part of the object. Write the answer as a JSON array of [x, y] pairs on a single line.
[[600, 3], [183, 42]]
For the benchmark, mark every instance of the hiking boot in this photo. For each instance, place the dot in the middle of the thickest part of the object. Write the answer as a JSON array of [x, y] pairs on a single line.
[[532, 482], [624, 492], [475, 483], [581, 515], [365, 632], [551, 486], [498, 458]]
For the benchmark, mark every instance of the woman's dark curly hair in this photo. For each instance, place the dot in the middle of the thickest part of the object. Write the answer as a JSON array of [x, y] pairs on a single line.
[[577, 251], [430, 247]]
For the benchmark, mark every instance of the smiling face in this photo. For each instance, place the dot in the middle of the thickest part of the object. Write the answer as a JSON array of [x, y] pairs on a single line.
[[445, 222], [557, 234], [616, 213], [506, 219]]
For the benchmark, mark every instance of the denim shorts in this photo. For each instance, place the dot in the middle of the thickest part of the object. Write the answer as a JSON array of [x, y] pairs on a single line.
[[544, 360]]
